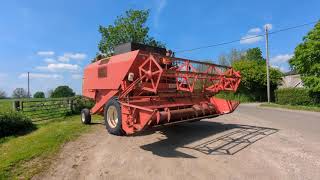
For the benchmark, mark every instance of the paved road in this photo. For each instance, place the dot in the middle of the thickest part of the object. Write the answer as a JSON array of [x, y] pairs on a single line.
[[307, 123], [251, 143]]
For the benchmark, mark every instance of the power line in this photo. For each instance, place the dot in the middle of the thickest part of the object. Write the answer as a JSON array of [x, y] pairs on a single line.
[[241, 39]]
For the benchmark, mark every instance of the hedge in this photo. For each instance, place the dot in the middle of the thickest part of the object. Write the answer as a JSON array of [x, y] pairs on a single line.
[[81, 102], [294, 96], [242, 97], [14, 123]]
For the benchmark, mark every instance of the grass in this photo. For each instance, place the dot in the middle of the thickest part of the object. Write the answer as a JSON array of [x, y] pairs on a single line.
[[294, 107], [23, 156], [5, 105]]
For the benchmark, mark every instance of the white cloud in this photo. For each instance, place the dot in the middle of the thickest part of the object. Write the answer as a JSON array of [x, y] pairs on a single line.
[[49, 60], [250, 39], [281, 58], [63, 59], [59, 67], [41, 76], [160, 5], [281, 62], [68, 56], [268, 25], [76, 76], [281, 68], [254, 30], [252, 35], [45, 53]]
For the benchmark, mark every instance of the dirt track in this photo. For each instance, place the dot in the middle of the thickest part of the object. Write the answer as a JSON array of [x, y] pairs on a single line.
[[251, 143]]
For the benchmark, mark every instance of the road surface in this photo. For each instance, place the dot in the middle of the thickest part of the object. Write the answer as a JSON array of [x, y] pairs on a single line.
[[251, 143]]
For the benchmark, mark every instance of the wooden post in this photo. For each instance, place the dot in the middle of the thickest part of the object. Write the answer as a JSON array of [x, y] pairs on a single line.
[[267, 63], [71, 105], [16, 105]]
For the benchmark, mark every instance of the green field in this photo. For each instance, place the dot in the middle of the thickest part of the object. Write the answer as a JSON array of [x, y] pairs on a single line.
[[23, 156]]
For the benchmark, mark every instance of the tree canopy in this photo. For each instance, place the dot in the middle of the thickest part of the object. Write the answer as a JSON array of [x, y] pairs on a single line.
[[39, 94], [235, 55], [62, 91], [252, 66], [254, 78], [229, 58], [130, 27], [19, 93], [306, 59], [254, 54]]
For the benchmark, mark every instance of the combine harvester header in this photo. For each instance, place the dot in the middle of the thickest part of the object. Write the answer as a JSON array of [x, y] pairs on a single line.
[[143, 86]]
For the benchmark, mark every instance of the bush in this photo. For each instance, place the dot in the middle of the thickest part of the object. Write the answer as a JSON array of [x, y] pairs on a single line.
[[80, 102], [294, 96], [39, 94], [241, 97], [14, 123]]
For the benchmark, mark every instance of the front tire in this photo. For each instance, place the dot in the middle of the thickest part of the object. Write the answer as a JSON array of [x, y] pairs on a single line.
[[85, 116], [113, 117]]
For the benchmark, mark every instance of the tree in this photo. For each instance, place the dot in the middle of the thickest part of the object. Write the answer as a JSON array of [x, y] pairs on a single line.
[[62, 91], [306, 59], [252, 67], [254, 78], [127, 28], [2, 94], [19, 93], [254, 54], [232, 56], [39, 94], [223, 60], [236, 55]]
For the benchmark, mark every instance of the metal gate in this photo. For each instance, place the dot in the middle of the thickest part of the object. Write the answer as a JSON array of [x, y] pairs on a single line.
[[40, 110]]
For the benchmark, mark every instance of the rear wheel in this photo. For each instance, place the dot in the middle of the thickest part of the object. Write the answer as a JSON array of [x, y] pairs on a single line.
[[85, 116], [113, 118]]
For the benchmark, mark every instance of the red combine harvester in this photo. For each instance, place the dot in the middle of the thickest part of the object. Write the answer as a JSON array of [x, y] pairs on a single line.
[[143, 86]]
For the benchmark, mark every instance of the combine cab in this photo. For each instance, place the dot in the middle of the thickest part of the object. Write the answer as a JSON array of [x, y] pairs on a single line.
[[142, 87]]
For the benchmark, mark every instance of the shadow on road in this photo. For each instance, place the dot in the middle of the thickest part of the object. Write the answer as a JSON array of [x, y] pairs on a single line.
[[210, 138]]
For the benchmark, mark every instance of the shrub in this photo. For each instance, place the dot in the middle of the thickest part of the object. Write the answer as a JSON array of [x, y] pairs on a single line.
[[39, 94], [80, 102], [294, 96], [242, 97], [14, 123]]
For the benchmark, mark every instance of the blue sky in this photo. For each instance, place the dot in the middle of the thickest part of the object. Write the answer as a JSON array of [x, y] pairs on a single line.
[[54, 40]]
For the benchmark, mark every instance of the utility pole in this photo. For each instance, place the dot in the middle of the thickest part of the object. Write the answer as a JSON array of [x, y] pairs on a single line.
[[28, 84], [267, 63]]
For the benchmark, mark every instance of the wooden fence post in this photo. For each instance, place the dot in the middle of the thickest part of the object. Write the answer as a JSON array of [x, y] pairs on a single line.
[[16, 105], [71, 105]]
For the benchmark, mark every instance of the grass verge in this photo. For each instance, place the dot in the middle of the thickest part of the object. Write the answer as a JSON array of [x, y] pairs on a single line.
[[23, 156], [293, 107]]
